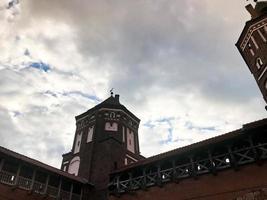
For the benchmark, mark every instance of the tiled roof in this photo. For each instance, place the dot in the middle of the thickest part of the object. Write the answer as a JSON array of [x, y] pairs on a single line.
[[201, 144]]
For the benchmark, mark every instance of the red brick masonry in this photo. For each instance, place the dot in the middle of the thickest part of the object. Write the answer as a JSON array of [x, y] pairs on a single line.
[[248, 183]]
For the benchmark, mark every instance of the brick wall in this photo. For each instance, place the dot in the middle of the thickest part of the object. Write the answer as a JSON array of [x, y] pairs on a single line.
[[12, 193], [248, 183]]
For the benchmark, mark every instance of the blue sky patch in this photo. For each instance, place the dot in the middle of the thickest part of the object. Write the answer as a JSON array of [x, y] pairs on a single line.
[[41, 66], [190, 126], [91, 97]]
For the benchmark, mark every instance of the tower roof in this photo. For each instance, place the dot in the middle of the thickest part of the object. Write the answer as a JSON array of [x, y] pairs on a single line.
[[113, 102], [261, 7]]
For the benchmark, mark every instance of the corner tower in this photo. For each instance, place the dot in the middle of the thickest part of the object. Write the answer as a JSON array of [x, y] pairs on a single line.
[[106, 138], [252, 44]]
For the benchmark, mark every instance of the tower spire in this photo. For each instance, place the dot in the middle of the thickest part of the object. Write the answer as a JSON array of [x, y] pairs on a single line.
[[111, 92]]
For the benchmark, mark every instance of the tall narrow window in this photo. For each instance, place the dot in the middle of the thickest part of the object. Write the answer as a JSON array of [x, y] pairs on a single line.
[[259, 63], [123, 134], [254, 42], [130, 141], [90, 134], [78, 142]]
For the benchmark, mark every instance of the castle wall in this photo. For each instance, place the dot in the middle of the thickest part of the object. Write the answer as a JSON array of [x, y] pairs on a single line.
[[248, 183], [12, 193]]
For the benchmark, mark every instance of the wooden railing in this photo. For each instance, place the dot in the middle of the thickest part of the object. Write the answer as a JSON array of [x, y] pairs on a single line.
[[157, 174], [37, 187]]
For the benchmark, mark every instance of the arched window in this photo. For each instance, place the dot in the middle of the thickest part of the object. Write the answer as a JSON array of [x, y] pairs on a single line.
[[259, 63], [74, 166]]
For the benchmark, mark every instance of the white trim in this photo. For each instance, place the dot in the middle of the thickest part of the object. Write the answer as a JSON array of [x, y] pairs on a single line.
[[66, 162], [118, 110], [252, 52], [262, 73], [250, 31], [131, 157], [254, 42], [109, 110], [262, 36]]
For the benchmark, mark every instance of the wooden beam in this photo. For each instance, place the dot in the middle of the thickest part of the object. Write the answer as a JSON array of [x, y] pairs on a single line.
[[59, 188], [174, 177], [33, 179], [81, 194], [232, 158], [143, 185], [2, 164], [213, 169], [255, 152], [17, 175], [159, 178], [193, 169], [71, 191], [46, 183]]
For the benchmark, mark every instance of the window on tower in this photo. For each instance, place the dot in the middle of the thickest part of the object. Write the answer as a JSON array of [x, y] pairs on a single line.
[[78, 142], [130, 141], [111, 126], [74, 166], [90, 134]]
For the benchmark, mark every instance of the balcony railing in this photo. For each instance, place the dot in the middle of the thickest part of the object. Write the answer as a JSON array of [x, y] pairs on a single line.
[[37, 187], [210, 164]]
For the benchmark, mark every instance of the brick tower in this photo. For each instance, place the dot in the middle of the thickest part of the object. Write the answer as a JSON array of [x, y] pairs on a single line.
[[106, 138], [252, 44]]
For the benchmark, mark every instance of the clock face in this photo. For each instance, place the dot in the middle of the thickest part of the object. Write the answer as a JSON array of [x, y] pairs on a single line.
[[111, 126]]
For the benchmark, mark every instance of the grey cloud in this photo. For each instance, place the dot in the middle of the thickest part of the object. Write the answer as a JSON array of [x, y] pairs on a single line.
[[156, 44], [147, 50]]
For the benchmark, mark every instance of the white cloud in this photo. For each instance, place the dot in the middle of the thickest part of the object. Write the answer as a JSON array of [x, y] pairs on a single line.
[[169, 60]]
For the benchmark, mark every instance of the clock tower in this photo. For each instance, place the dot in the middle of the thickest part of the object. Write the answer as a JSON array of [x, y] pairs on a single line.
[[106, 138], [252, 44]]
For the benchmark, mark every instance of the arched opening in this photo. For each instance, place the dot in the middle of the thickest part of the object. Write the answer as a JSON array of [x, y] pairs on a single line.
[[74, 166]]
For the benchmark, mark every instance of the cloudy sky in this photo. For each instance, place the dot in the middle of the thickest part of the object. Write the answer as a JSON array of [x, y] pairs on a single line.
[[173, 62]]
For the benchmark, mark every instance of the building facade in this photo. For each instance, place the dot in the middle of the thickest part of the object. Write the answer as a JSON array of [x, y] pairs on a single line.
[[252, 44]]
